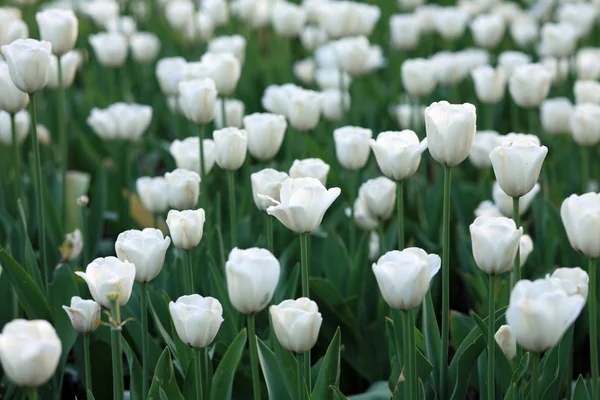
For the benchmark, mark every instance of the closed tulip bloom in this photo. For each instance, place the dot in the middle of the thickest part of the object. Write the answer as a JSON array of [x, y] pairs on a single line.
[[540, 312], [506, 341], [490, 83], [202, 27], [197, 99], [234, 111], [310, 168], [515, 137], [28, 63], [483, 144], [525, 249], [120, 121], [197, 319], [487, 30], [84, 314], [352, 146], [69, 63], [573, 280], [101, 11], [178, 13], [275, 98], [517, 166], [581, 16], [331, 104], [59, 27], [329, 78], [587, 92], [252, 277], [235, 44], [296, 324], [110, 48], [347, 18], [555, 115], [265, 134], [217, 9], [125, 25], [267, 182], [404, 276], [288, 19], [587, 63], [352, 54], [398, 154], [29, 352], [304, 70], [144, 47], [13, 99], [558, 40], [312, 37], [153, 193], [524, 31], [186, 227], [450, 22], [581, 217], [487, 209], [304, 109], [450, 131], [510, 60], [146, 249], [405, 31], [12, 29], [72, 246], [529, 85], [169, 72], [183, 188], [225, 69], [253, 12], [379, 195], [186, 153], [585, 124], [362, 216], [408, 115], [418, 77], [22, 125], [109, 277], [495, 243], [230, 146], [303, 204], [505, 204]]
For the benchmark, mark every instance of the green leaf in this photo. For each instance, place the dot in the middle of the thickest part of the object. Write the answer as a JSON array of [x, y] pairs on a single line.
[[554, 364], [30, 296], [98, 207], [337, 393], [288, 365], [164, 379], [272, 373], [135, 371], [90, 396], [431, 335], [521, 370], [460, 326], [329, 374], [580, 392], [161, 329], [223, 378], [396, 364]]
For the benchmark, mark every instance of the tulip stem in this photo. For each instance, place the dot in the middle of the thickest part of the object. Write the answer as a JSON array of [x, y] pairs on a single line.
[[342, 99], [269, 233], [33, 394], [410, 355], [17, 155], [352, 248], [535, 360], [307, 377], [190, 268], [117, 362], [205, 372], [304, 263], [38, 190], [145, 333], [232, 216], [198, 354], [585, 169], [516, 274], [253, 356], [223, 112], [490, 339], [593, 312], [300, 381], [401, 344], [201, 150], [63, 140], [445, 284], [400, 211], [87, 361]]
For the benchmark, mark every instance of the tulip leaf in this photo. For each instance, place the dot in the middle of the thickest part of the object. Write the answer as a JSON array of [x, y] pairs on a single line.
[[552, 366], [580, 392], [511, 394], [98, 207], [30, 296], [431, 335], [164, 379], [329, 374], [460, 326], [394, 381], [521, 370], [161, 329], [337, 393], [272, 372], [135, 371], [229, 327], [90, 396], [288, 365], [223, 378]]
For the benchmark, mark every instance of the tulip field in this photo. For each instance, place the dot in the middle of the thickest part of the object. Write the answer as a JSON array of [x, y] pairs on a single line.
[[299, 199]]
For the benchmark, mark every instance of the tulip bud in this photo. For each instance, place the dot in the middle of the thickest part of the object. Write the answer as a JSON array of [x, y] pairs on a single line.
[[573, 280], [101, 11], [404, 276], [252, 277], [15, 29], [483, 144], [252, 12], [404, 31], [450, 131], [585, 124], [581, 217], [303, 109], [13, 99], [346, 18], [183, 188], [29, 352], [310, 168], [312, 37], [517, 166], [186, 227], [450, 22], [505, 203], [581, 17], [234, 111], [225, 69], [524, 31], [230, 145], [352, 54], [59, 27], [234, 44], [197, 319], [265, 134], [275, 98], [169, 72], [487, 30], [587, 64], [558, 40], [555, 115], [72, 246], [107, 277], [374, 246], [495, 243], [362, 217], [69, 63], [408, 116], [540, 312], [186, 153], [144, 47], [510, 60], [587, 92], [217, 9], [84, 314], [153, 193], [110, 48], [525, 248], [267, 182], [529, 85], [120, 121], [331, 104], [22, 125], [489, 83], [124, 25], [352, 146], [203, 26], [296, 324], [304, 70], [398, 154], [303, 204], [487, 209], [28, 63], [329, 78], [178, 13], [288, 19], [506, 341], [380, 196], [197, 99], [146, 249]]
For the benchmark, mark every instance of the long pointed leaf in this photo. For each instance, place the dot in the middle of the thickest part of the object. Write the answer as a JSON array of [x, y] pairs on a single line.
[[223, 379]]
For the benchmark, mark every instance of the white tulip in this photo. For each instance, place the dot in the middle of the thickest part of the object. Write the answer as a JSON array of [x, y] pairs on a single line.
[[183, 188], [109, 279], [506, 341], [581, 217], [235, 45], [267, 182], [146, 249], [59, 27], [529, 85], [524, 31], [405, 31], [510, 60], [265, 134], [555, 115], [144, 47], [72, 246], [495, 242], [312, 37], [505, 203], [69, 63], [329, 78], [587, 92], [197, 319], [153, 193], [22, 125], [487, 30], [186, 153], [525, 249], [404, 276], [303, 109], [398, 154], [13, 99], [347, 18], [585, 124], [225, 69], [580, 16], [450, 22], [120, 121], [234, 113], [125, 25], [362, 216], [331, 104], [255, 13], [186, 227], [490, 83], [288, 19], [379, 195], [352, 54], [178, 13], [587, 63], [352, 146], [310, 168], [573, 280], [217, 9], [483, 144], [231, 145], [101, 11], [169, 72], [558, 40], [197, 99], [110, 48], [296, 324], [304, 70], [84, 314], [28, 63], [408, 116]]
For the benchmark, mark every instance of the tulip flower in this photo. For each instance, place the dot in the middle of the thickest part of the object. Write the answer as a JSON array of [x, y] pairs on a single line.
[[296, 324], [69, 63], [28, 63], [169, 72], [581, 218], [121, 121], [529, 85], [288, 19], [487, 209], [346, 18], [487, 30], [504, 202], [146, 249], [224, 69], [558, 40], [329, 78], [483, 144], [60, 28], [125, 25], [312, 37], [510, 60], [304, 70], [84, 314], [177, 13], [186, 227], [525, 249], [405, 31], [153, 193], [267, 182], [555, 115], [335, 104], [310, 168], [506, 341], [109, 279], [110, 48], [352, 146], [234, 113], [235, 44], [197, 99], [450, 22], [303, 109], [265, 134], [230, 148], [524, 30], [145, 47], [101, 11], [495, 243], [379, 195], [29, 352], [218, 11], [398, 154], [22, 124], [197, 319], [72, 246], [584, 124], [573, 280], [586, 64], [418, 77], [352, 54], [489, 83], [187, 155], [586, 92], [183, 188], [13, 99]]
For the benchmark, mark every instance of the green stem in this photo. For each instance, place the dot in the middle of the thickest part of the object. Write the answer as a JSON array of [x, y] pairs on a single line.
[[380, 231], [401, 344], [17, 156], [300, 380], [535, 360], [342, 100], [117, 362], [232, 209], [412, 351], [33, 394], [83, 227], [253, 356], [269, 233], [593, 312], [400, 211], [490, 339], [41, 220], [63, 140], [190, 268], [201, 149], [304, 263], [198, 364], [409, 373], [205, 373], [516, 274], [88, 362], [352, 248], [445, 284], [145, 344], [585, 169], [223, 111], [306, 368]]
